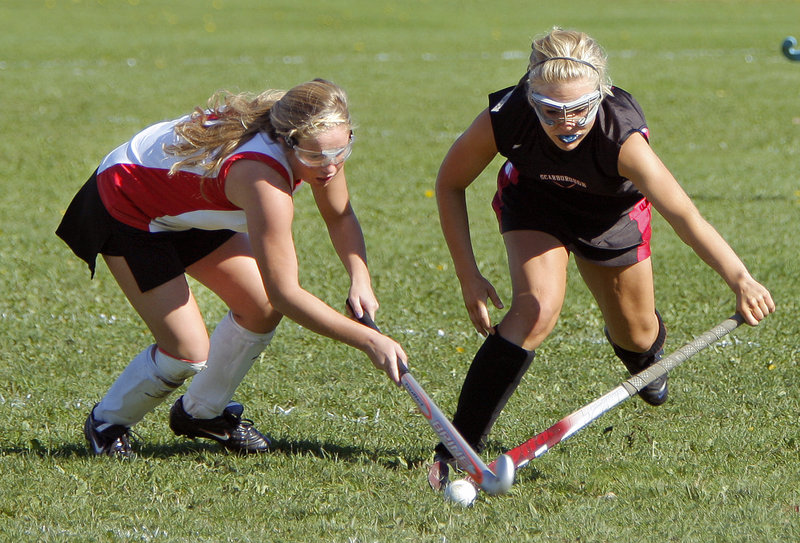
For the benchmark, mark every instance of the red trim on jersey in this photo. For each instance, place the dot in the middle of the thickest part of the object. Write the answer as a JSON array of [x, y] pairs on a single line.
[[259, 157], [641, 214], [504, 179]]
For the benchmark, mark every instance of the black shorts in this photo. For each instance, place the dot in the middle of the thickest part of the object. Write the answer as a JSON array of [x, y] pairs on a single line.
[[154, 258], [605, 232]]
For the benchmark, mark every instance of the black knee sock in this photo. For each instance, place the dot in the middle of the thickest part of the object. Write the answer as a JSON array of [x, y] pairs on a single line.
[[636, 362], [495, 373]]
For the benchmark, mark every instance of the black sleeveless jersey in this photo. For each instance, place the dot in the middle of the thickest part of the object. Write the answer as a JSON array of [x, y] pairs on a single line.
[[585, 181]]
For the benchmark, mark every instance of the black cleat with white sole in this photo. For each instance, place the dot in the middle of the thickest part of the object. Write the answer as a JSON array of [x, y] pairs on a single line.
[[107, 439], [230, 429]]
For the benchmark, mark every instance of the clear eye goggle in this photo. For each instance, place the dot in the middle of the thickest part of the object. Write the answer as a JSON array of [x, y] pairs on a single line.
[[324, 157], [579, 111]]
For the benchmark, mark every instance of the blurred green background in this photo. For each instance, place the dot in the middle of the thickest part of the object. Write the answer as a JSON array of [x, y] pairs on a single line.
[[717, 463]]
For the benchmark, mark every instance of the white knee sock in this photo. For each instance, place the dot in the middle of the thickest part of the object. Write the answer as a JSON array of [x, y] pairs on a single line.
[[149, 378], [233, 351]]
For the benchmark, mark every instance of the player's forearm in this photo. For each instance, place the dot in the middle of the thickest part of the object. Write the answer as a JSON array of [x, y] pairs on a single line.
[[712, 248], [454, 222]]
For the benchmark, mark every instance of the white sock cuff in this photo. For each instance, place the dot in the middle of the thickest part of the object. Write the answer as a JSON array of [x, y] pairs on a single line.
[[176, 369], [244, 333]]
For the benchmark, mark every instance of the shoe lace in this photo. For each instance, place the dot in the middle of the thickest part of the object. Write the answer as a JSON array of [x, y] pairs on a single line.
[[237, 422], [121, 434], [114, 432], [124, 434], [247, 423], [243, 429]]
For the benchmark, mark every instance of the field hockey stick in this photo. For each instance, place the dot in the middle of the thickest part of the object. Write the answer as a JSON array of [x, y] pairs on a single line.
[[543, 442], [789, 50], [493, 481]]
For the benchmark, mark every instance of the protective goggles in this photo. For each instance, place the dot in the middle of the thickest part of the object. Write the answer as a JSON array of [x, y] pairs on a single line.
[[325, 157], [579, 112]]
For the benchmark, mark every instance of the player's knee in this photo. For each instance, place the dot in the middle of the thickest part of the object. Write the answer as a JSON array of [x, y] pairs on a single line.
[[649, 333], [537, 311], [176, 370], [259, 320], [533, 321], [643, 335]]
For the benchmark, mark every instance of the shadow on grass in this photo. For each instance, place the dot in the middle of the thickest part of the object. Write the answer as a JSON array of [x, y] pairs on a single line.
[[529, 474], [389, 458], [68, 450]]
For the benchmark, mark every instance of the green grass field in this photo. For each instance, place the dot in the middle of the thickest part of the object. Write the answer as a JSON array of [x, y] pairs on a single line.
[[719, 462]]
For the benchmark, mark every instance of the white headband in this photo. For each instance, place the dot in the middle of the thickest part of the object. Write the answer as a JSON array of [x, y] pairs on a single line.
[[589, 64]]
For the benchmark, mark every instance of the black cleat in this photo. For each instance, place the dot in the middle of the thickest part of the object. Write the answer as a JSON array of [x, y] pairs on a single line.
[[230, 429], [656, 392], [107, 439]]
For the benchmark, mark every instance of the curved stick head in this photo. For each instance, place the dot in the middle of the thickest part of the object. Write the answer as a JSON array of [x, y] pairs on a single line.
[[788, 46], [503, 477]]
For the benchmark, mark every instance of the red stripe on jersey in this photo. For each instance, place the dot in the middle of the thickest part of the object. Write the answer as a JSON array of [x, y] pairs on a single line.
[[259, 157], [641, 214], [508, 175]]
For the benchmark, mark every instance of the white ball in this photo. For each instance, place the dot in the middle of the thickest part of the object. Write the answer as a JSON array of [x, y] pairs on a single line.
[[461, 492]]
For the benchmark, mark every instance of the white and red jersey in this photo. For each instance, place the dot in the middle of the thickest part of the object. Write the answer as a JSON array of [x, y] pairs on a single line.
[[136, 188]]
